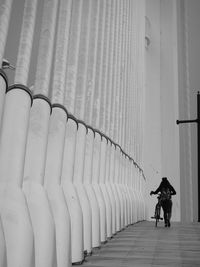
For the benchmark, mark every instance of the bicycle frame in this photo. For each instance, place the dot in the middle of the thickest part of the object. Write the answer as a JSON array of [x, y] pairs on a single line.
[[158, 210]]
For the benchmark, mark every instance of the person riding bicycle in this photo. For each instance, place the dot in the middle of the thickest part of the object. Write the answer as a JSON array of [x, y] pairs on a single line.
[[166, 190]]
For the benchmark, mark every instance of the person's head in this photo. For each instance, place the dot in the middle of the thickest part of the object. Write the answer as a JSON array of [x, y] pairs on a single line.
[[165, 182]]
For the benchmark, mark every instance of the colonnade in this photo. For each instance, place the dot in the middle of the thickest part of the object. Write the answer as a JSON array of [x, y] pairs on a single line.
[[66, 183]]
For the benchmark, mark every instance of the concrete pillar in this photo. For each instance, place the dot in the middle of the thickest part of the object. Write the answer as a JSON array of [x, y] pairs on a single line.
[[95, 183], [109, 168], [18, 236], [78, 183], [52, 184], [73, 202], [34, 170], [102, 184], [88, 180], [3, 88], [5, 11], [73, 55]]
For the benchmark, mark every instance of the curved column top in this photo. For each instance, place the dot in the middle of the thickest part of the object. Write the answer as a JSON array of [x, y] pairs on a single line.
[[57, 105], [82, 122], [45, 98], [90, 128], [70, 116], [21, 87], [3, 74]]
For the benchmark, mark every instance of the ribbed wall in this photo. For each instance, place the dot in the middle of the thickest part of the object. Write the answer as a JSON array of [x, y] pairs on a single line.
[[71, 147]]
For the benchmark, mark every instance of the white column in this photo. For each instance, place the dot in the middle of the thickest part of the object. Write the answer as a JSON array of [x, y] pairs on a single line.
[[78, 183], [52, 184], [117, 124], [72, 56], [112, 184], [109, 169], [91, 62], [119, 226], [123, 78], [18, 237], [104, 88], [5, 10], [61, 48], [88, 171], [95, 183], [96, 101], [122, 191], [3, 88], [110, 71], [38, 204], [82, 64], [45, 53], [114, 64], [71, 196], [26, 41], [133, 191], [102, 180], [115, 186]]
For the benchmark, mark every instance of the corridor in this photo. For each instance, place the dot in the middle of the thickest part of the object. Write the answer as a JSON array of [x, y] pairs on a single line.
[[143, 245]]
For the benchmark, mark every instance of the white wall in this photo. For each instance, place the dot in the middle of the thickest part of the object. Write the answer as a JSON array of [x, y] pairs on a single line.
[[161, 133], [189, 80]]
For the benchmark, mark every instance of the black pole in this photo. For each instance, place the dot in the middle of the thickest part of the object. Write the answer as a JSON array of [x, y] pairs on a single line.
[[198, 151], [198, 147]]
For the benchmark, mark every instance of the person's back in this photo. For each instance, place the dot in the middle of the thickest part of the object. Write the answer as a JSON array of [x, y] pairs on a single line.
[[166, 190]]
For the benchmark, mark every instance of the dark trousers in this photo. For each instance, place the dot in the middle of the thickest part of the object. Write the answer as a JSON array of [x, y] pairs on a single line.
[[167, 209]]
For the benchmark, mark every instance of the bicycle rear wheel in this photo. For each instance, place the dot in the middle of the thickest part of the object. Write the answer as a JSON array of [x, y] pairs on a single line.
[[157, 215]]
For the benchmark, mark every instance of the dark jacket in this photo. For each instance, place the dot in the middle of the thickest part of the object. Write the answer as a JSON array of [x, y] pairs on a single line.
[[163, 185]]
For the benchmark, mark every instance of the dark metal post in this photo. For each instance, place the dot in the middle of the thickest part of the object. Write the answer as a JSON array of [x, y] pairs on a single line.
[[198, 151], [198, 146]]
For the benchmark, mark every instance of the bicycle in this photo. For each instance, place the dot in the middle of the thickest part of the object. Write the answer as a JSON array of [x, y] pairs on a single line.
[[157, 211]]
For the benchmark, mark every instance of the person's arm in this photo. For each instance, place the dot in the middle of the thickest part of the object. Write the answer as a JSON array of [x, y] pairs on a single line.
[[155, 192], [172, 190]]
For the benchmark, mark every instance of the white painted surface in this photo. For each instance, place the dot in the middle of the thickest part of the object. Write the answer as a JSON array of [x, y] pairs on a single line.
[[15, 220], [52, 184], [36, 195], [70, 193]]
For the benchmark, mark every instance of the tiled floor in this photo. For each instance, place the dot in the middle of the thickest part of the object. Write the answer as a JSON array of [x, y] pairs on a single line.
[[143, 245]]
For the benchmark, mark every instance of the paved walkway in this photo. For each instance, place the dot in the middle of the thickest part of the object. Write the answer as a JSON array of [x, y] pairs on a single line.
[[143, 245]]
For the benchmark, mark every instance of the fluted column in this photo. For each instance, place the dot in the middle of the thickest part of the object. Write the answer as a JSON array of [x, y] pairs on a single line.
[[97, 98], [83, 53], [61, 49], [114, 64], [104, 89], [110, 70], [78, 183], [18, 237], [102, 184], [56, 140], [52, 184], [123, 78], [42, 219], [91, 62], [96, 185], [45, 52], [5, 10], [88, 180], [72, 57], [117, 111], [73, 202]]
